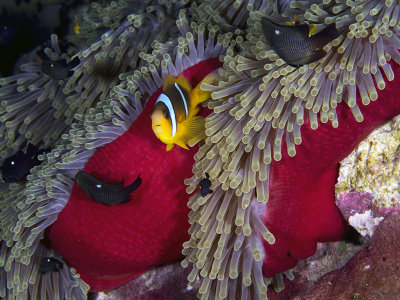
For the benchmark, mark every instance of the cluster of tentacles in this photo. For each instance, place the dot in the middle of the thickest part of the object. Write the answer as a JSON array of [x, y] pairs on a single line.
[[259, 105]]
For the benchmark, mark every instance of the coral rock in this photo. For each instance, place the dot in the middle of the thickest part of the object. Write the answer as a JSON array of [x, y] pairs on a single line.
[[167, 282], [370, 274], [373, 166]]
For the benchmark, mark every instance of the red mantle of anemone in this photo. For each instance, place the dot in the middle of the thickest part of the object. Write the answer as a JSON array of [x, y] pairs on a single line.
[[301, 210], [111, 245]]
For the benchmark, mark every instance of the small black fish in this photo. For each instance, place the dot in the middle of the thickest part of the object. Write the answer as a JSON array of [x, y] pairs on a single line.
[[293, 43], [106, 193], [50, 264], [16, 167], [205, 184], [351, 235], [59, 69]]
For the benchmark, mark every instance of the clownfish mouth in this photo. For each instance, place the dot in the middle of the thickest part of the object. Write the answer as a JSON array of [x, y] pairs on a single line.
[[157, 129]]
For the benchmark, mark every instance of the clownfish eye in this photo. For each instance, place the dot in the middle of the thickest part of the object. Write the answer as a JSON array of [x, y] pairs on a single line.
[[166, 114]]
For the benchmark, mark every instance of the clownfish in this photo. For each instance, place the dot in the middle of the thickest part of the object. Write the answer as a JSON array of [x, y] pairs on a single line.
[[174, 119]]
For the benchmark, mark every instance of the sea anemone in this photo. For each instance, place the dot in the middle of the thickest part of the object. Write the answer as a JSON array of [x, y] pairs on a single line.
[[259, 105]]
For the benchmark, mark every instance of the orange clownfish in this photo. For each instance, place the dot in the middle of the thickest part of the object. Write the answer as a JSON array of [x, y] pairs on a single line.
[[174, 119]]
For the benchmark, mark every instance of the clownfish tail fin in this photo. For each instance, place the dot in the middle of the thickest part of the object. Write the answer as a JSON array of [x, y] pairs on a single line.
[[197, 95]]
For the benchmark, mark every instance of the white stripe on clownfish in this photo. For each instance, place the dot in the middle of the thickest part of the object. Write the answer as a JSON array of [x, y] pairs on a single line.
[[183, 99], [165, 99]]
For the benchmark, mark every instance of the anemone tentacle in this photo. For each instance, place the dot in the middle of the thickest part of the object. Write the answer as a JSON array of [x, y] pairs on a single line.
[[226, 246]]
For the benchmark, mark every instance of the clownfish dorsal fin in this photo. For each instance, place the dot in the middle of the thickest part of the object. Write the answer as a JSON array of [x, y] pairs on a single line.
[[169, 80], [181, 80]]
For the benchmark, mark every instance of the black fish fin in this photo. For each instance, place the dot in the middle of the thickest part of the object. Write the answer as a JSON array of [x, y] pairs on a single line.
[[75, 62], [351, 235], [59, 263], [317, 54], [127, 199], [271, 19], [266, 26], [282, 21], [304, 28], [205, 191], [31, 150], [134, 185], [93, 196], [44, 151], [325, 36]]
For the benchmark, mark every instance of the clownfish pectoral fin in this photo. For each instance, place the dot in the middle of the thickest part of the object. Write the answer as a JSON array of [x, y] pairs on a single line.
[[193, 131], [198, 96], [169, 147]]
